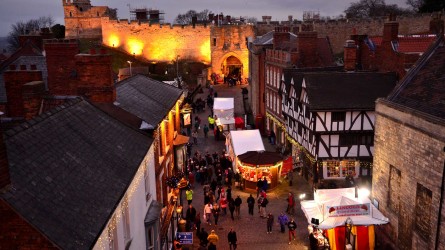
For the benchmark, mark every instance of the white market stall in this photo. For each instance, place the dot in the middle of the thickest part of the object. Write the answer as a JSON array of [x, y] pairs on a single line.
[[224, 110], [334, 209], [239, 142]]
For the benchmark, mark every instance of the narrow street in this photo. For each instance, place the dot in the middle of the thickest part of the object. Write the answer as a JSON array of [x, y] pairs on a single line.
[[250, 229]]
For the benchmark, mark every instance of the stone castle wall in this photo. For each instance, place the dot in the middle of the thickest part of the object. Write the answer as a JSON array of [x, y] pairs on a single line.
[[158, 42], [340, 31], [85, 23], [415, 147]]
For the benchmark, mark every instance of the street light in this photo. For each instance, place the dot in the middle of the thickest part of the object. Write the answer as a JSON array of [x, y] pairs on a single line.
[[130, 62]]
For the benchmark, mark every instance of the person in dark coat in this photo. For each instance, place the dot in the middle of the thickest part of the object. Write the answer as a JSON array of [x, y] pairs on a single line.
[[259, 187], [250, 204], [313, 242], [203, 237], [238, 202], [231, 207], [270, 219], [231, 237], [190, 216]]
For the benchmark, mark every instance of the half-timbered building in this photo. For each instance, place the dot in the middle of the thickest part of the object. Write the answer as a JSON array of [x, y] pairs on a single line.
[[330, 120]]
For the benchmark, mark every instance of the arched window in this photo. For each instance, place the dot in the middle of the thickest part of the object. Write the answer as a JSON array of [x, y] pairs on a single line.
[[71, 14]]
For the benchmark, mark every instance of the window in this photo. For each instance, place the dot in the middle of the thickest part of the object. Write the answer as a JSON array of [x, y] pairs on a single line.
[[147, 182], [214, 41], [150, 238], [71, 14], [126, 218], [394, 188], [347, 140], [423, 211], [98, 13], [306, 111], [338, 116], [112, 234], [33, 67], [22, 67], [300, 130]]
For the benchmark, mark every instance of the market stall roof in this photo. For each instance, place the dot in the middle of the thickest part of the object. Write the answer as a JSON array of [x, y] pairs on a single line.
[[336, 198], [256, 158], [246, 140], [223, 103]]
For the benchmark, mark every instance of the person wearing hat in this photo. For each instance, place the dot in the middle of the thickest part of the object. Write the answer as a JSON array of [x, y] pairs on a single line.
[[213, 237]]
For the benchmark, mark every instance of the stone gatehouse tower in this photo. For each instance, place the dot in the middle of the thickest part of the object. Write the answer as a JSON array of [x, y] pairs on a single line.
[[83, 20]]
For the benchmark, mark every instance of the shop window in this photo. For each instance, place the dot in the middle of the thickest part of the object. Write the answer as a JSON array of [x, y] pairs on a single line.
[[394, 188], [333, 169], [348, 168], [423, 211], [338, 116]]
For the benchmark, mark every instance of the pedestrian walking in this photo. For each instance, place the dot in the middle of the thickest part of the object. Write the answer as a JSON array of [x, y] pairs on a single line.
[[259, 201], [263, 207], [229, 192], [290, 177], [213, 237], [231, 207], [250, 204], [270, 219], [203, 235], [223, 203], [291, 225], [238, 203], [283, 220], [265, 185], [290, 203], [208, 212], [211, 122], [216, 211], [211, 246], [259, 186], [195, 137], [190, 217], [205, 130], [198, 223], [231, 237], [189, 195]]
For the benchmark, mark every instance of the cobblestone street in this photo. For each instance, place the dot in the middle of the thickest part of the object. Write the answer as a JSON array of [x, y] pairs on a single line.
[[250, 229]]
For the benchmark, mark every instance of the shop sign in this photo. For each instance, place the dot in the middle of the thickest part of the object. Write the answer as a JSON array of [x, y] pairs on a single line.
[[349, 210]]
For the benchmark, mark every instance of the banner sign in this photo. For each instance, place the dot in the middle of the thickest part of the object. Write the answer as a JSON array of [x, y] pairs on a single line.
[[349, 210], [187, 120], [185, 237]]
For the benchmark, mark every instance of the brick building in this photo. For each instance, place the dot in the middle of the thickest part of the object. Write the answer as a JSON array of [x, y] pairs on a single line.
[[301, 50], [409, 159]]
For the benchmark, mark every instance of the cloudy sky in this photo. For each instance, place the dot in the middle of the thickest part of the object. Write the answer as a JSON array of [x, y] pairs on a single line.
[[12, 11]]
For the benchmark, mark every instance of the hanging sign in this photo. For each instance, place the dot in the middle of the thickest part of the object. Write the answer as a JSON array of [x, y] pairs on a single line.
[[349, 210]]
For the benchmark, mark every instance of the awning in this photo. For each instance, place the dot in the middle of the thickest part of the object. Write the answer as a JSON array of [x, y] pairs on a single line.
[[180, 140]]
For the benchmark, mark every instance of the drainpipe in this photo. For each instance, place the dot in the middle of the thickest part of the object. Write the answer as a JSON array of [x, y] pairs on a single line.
[[440, 207]]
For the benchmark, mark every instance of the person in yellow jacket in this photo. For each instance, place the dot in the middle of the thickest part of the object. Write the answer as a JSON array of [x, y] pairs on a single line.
[[213, 237], [211, 122]]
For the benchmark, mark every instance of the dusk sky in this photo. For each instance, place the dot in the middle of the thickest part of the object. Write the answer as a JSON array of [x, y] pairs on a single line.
[[12, 11]]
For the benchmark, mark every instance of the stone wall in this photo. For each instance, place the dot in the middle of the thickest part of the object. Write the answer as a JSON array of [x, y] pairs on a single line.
[[340, 31], [158, 42], [83, 23], [415, 147]]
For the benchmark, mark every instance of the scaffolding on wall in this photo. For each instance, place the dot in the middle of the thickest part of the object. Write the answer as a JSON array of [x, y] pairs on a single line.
[[146, 15]]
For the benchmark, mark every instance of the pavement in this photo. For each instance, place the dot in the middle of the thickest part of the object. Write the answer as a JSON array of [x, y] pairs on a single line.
[[250, 229]]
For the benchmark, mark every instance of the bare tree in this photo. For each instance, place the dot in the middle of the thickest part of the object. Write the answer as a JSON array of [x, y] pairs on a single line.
[[426, 6], [373, 8], [25, 28], [187, 17]]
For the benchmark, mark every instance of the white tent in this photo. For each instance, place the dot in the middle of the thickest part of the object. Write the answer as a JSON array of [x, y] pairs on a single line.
[[239, 142], [327, 200], [224, 110]]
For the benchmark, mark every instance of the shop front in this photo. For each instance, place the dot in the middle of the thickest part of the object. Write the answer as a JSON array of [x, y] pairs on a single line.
[[254, 165], [336, 169]]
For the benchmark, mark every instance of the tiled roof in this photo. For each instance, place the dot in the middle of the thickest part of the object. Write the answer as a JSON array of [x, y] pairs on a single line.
[[410, 43], [28, 49], [69, 169], [264, 39], [423, 88], [146, 98], [347, 91]]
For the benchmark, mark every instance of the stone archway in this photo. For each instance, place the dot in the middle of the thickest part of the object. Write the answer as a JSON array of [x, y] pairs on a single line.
[[232, 66]]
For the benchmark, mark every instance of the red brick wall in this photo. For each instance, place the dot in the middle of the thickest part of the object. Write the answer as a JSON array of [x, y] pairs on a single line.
[[32, 98], [95, 79], [61, 66], [14, 81], [307, 48], [16, 233]]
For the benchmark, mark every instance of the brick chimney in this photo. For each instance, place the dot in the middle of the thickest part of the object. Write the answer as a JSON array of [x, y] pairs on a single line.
[[307, 49], [5, 178], [281, 36], [62, 75], [390, 31], [350, 55], [32, 98], [14, 84], [95, 77]]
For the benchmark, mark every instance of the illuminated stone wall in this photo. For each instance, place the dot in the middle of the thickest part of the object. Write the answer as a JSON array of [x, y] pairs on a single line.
[[158, 42], [83, 21], [230, 40]]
